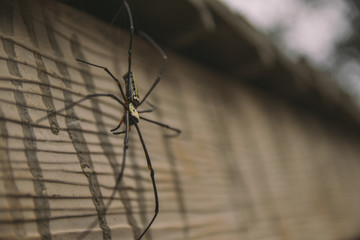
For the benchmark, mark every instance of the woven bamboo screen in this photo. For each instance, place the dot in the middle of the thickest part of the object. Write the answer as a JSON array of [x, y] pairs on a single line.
[[247, 165]]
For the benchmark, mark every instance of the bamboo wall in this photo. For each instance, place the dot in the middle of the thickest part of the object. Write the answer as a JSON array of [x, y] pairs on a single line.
[[247, 165]]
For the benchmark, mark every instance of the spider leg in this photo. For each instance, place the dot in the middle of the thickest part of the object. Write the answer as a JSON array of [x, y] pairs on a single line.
[[129, 52], [118, 126], [118, 178], [152, 175], [157, 47], [131, 35], [120, 175], [177, 131], [122, 132], [108, 72], [118, 133], [153, 108], [83, 99]]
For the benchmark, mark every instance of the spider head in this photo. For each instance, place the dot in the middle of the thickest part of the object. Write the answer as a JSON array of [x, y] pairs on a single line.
[[133, 114]]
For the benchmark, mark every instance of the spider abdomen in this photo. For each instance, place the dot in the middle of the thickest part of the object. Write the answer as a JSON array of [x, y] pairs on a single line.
[[131, 90]]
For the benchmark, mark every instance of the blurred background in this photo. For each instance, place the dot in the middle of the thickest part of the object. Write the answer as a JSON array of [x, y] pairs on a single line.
[[326, 32]]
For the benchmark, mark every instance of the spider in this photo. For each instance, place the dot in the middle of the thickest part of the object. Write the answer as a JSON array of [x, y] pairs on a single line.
[[130, 102]]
